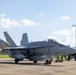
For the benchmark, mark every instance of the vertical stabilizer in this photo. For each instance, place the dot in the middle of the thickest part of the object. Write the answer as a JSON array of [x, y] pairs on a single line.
[[24, 41], [9, 39]]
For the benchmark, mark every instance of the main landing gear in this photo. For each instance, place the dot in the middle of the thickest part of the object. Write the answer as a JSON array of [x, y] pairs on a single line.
[[16, 61], [35, 61]]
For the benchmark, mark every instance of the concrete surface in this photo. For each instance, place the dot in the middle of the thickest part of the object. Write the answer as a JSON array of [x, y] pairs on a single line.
[[7, 67]]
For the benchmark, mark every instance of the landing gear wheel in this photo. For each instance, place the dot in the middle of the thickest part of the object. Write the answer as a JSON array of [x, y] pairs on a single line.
[[75, 58], [47, 62], [16, 61], [35, 61]]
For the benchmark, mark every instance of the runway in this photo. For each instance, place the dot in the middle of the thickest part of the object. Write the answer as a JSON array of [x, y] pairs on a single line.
[[7, 67]]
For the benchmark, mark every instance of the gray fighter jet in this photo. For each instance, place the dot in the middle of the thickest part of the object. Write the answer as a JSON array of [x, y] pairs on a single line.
[[35, 51]]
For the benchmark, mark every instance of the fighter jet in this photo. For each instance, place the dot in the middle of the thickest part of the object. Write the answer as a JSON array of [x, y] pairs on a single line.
[[35, 51]]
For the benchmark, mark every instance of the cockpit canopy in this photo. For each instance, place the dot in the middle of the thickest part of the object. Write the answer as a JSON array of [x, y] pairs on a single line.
[[51, 40]]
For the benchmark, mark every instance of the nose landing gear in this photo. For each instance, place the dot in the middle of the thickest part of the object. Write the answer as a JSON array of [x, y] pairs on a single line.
[[47, 62]]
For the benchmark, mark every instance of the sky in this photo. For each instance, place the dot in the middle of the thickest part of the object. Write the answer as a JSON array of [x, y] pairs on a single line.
[[40, 19]]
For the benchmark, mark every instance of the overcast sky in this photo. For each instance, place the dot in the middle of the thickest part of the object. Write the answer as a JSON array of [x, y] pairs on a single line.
[[41, 19]]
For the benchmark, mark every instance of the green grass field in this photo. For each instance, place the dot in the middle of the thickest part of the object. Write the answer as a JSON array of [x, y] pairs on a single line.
[[4, 56]]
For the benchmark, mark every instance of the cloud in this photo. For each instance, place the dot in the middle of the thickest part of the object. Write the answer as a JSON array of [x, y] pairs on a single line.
[[63, 32], [2, 15], [28, 22], [7, 22], [64, 17], [41, 14], [65, 36]]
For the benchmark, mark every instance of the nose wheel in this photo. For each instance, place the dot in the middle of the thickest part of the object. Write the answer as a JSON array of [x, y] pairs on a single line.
[[47, 62]]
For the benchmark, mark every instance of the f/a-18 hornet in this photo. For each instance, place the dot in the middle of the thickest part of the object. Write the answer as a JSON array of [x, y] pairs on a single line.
[[35, 51]]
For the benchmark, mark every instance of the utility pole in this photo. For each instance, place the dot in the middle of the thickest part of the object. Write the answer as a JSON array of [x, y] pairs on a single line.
[[75, 35]]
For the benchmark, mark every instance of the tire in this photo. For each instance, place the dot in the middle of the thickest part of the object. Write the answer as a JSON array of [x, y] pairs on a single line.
[[75, 58], [49, 62], [46, 62], [16, 61], [35, 61]]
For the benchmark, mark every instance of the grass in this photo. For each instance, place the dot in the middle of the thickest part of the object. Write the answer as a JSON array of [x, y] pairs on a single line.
[[4, 56]]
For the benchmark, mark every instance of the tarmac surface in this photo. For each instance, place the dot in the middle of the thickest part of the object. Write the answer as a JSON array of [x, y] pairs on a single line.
[[7, 67]]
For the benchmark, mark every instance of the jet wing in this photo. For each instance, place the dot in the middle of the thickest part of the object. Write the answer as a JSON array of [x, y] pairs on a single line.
[[25, 48]]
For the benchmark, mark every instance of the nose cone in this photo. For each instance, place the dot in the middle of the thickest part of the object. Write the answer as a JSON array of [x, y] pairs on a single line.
[[65, 50], [70, 50]]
